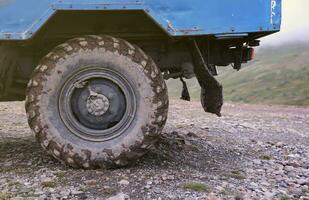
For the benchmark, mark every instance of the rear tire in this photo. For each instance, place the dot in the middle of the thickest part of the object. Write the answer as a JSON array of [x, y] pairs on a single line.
[[96, 102]]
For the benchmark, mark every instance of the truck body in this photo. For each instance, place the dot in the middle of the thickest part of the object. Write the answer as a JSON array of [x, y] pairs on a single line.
[[20, 20], [167, 38]]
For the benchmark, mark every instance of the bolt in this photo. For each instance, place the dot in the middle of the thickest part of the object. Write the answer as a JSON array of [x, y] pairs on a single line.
[[80, 85], [110, 95], [111, 110], [97, 89], [85, 97]]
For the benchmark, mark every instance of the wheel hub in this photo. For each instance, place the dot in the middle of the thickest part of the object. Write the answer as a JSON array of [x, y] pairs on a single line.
[[97, 104]]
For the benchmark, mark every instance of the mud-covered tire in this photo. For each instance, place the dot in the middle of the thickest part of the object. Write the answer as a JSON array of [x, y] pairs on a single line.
[[130, 62]]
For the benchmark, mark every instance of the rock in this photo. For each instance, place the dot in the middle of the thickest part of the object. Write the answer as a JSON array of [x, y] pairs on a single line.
[[219, 188], [42, 197], [293, 156], [212, 196], [289, 168], [269, 195], [51, 190], [124, 182], [205, 127], [257, 162], [294, 164], [253, 185], [279, 144], [91, 182], [48, 183], [120, 196], [302, 181], [47, 180], [295, 191], [64, 193], [38, 192], [265, 183], [278, 172], [191, 134], [18, 198], [76, 192], [7, 164]]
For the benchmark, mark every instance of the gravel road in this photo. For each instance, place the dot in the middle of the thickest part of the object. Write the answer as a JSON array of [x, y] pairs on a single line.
[[252, 152]]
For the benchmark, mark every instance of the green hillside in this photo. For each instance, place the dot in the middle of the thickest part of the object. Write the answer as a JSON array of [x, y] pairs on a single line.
[[279, 75]]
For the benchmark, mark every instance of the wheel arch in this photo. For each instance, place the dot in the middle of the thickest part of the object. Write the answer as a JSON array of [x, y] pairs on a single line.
[[68, 23], [62, 25]]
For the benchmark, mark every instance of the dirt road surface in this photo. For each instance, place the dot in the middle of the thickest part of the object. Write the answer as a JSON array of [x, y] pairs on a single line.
[[252, 152]]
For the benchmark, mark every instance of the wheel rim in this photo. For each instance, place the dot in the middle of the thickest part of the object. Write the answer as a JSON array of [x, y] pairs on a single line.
[[97, 104]]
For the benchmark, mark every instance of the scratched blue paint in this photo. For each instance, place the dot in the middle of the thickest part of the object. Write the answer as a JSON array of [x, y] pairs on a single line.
[[20, 19]]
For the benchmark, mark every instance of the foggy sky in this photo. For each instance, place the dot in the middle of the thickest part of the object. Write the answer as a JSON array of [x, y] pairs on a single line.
[[295, 23]]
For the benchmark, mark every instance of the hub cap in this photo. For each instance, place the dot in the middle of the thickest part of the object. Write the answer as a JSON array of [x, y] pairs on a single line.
[[97, 104]]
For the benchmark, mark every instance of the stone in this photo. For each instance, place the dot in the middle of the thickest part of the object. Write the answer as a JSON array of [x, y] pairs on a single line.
[[120, 196], [147, 187], [256, 162], [191, 134], [279, 144], [289, 168], [91, 182], [76, 192], [302, 181], [212, 196], [124, 182], [294, 164]]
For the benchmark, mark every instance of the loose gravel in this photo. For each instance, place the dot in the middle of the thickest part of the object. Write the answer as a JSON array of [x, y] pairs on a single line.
[[252, 152]]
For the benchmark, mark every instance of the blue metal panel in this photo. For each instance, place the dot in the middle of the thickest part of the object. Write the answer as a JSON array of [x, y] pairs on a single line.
[[20, 19]]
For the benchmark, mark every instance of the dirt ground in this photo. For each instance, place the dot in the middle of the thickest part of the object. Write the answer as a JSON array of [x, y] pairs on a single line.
[[252, 152]]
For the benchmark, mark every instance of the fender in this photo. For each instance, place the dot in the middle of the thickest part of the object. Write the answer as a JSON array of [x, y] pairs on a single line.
[[20, 19]]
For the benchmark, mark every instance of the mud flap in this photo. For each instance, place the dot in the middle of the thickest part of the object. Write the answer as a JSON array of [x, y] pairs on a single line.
[[211, 89]]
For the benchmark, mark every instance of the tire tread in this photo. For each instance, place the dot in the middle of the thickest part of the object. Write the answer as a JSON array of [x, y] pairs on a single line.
[[65, 152]]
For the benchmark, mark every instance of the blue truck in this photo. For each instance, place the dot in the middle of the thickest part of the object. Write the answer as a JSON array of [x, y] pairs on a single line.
[[92, 72]]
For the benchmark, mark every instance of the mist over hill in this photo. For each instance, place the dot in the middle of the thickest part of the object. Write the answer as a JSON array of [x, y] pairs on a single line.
[[278, 75]]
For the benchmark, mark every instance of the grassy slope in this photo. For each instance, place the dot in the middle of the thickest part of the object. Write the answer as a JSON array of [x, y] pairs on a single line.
[[279, 75]]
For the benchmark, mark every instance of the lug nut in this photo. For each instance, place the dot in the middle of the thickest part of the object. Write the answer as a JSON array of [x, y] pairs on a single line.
[[111, 110], [84, 97], [97, 89], [110, 95]]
